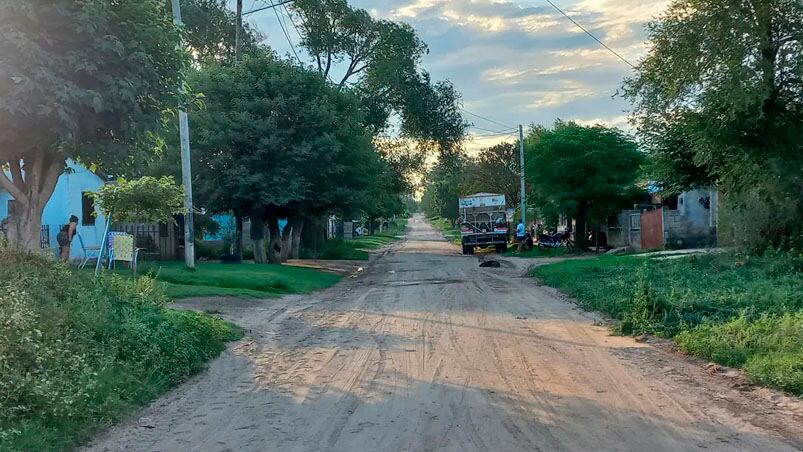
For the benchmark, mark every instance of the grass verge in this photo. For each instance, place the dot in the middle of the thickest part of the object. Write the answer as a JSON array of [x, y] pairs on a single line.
[[78, 353], [536, 253], [359, 247], [736, 310], [246, 280], [444, 225]]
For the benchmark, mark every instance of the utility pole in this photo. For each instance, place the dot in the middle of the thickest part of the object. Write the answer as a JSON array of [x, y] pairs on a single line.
[[186, 169], [521, 161], [238, 37]]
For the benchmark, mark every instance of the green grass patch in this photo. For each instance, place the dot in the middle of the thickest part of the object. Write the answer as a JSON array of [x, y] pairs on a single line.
[[444, 225], [79, 353], [736, 310], [359, 247], [246, 280], [536, 253]]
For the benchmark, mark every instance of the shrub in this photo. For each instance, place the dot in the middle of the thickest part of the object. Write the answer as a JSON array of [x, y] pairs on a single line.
[[76, 353]]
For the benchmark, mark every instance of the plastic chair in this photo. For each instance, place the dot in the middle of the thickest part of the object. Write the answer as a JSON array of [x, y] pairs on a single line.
[[90, 253]]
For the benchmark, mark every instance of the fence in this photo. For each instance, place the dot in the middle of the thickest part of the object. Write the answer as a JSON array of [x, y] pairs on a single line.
[[155, 239], [44, 235]]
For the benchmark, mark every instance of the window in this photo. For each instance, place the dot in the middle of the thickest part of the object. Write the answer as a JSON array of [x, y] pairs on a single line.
[[87, 210]]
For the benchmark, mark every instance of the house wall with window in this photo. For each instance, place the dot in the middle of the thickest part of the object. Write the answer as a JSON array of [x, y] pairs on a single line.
[[70, 198]]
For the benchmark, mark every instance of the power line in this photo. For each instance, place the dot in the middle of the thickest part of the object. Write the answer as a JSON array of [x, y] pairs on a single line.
[[284, 30], [590, 34], [487, 119], [267, 7], [492, 131], [493, 135]]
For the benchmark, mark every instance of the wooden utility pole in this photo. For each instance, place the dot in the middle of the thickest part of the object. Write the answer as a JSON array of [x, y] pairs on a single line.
[[521, 161], [238, 34], [186, 169]]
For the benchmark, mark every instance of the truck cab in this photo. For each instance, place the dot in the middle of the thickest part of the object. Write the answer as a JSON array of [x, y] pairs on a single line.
[[483, 222]]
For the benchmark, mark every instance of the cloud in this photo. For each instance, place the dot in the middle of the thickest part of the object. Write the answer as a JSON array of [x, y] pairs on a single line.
[[520, 61]]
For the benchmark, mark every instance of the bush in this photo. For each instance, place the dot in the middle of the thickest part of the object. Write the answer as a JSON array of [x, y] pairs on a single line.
[[77, 353]]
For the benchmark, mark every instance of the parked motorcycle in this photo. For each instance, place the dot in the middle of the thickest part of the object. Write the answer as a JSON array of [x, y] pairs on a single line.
[[556, 240]]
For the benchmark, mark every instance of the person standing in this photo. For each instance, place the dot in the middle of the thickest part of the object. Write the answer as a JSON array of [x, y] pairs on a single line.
[[65, 237], [521, 235]]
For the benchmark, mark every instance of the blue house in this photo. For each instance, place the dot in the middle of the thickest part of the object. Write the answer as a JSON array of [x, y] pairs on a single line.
[[69, 198]]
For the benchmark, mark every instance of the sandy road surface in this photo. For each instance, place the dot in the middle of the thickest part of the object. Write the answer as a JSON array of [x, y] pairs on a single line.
[[426, 351]]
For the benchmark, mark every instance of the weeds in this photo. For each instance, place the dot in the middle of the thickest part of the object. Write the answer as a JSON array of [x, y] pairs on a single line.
[[738, 310], [77, 353]]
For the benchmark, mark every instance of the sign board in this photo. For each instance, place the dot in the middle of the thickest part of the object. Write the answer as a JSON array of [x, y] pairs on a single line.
[[348, 230], [482, 201]]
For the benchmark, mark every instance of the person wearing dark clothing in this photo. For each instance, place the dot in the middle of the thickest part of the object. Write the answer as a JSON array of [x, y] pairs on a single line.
[[65, 237]]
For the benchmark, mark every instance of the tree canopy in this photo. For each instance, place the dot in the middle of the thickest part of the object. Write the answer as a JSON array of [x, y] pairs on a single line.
[[719, 98], [210, 29], [147, 199], [382, 62], [88, 80], [495, 170], [583, 172], [276, 140]]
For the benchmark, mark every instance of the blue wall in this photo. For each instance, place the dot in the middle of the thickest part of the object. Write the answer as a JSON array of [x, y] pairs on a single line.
[[66, 201]]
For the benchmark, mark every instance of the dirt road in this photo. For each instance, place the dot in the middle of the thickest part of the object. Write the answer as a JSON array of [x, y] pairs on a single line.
[[426, 351]]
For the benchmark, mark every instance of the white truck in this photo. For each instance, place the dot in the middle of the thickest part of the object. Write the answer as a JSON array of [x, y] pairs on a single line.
[[483, 222]]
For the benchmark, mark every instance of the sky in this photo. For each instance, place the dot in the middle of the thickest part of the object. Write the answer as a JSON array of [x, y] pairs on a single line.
[[515, 62]]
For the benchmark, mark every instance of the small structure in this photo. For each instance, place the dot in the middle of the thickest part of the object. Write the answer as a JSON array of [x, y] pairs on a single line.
[[687, 220], [71, 197]]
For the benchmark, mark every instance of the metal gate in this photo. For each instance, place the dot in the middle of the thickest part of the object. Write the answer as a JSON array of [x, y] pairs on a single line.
[[652, 229]]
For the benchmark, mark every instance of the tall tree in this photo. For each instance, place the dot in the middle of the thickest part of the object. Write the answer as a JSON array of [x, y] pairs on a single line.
[[585, 172], [727, 77], [496, 170], [381, 61], [88, 80], [275, 141], [210, 30]]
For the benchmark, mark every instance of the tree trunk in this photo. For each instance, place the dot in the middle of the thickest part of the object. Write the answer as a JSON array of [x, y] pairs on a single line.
[[275, 248], [237, 245], [31, 193], [286, 241], [313, 233], [580, 237], [295, 240], [258, 238]]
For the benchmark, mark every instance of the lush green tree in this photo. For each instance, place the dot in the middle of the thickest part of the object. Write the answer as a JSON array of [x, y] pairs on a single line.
[[381, 61], [277, 141], [585, 172], [495, 170], [147, 199], [210, 30], [719, 97], [87, 80], [443, 188]]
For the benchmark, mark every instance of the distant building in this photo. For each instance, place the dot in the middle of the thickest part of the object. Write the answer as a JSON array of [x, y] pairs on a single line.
[[70, 197]]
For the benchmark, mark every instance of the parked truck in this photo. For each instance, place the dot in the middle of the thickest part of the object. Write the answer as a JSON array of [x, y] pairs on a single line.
[[483, 222]]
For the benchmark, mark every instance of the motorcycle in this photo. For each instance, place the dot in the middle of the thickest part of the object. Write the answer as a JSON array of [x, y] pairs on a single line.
[[557, 240]]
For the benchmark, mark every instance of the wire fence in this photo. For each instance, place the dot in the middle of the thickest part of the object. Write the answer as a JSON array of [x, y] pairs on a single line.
[[44, 235]]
